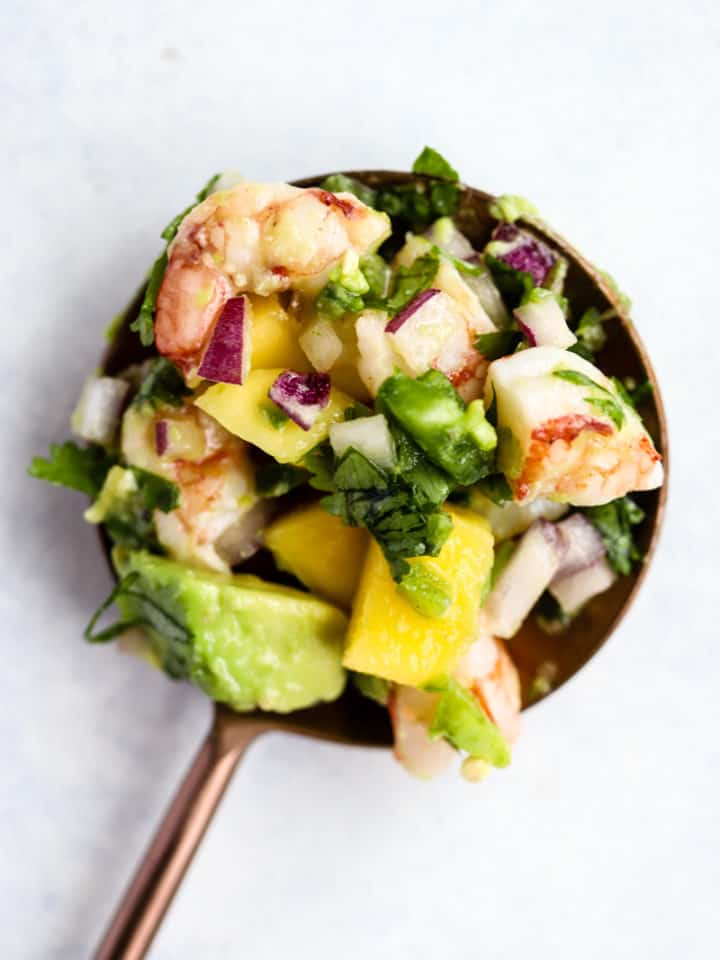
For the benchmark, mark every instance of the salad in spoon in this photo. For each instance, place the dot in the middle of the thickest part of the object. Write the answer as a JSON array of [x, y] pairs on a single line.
[[357, 449]]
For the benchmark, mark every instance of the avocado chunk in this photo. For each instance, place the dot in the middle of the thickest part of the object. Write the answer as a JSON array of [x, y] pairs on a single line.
[[244, 642]]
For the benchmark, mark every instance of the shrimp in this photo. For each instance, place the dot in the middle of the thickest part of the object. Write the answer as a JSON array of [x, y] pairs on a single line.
[[565, 433], [260, 238], [488, 672], [441, 334], [486, 668], [219, 517]]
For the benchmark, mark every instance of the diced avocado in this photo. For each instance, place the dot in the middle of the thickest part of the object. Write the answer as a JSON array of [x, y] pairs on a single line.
[[455, 438], [460, 719], [244, 642]]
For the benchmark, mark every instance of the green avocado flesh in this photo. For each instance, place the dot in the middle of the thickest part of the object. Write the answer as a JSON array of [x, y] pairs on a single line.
[[244, 642]]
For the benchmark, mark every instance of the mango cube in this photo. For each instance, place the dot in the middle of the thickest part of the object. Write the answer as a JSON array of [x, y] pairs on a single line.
[[388, 638], [320, 550], [249, 413], [275, 337]]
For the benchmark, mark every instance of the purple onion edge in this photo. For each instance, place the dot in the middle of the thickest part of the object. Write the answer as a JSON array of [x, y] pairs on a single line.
[[417, 301]]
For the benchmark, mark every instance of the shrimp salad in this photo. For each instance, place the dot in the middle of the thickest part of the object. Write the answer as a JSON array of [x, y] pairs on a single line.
[[355, 448]]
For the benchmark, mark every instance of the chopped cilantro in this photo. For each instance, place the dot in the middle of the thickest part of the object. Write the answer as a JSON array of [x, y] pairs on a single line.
[[335, 300], [498, 344], [276, 479], [275, 416], [607, 405], [412, 280], [163, 384], [495, 488], [143, 324], [614, 522], [514, 285], [430, 163], [79, 468], [590, 333]]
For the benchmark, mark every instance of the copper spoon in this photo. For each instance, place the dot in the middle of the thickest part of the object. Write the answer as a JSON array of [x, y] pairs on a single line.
[[353, 719]]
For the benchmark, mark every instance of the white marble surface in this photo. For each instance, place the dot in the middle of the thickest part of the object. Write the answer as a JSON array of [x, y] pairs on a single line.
[[602, 841]]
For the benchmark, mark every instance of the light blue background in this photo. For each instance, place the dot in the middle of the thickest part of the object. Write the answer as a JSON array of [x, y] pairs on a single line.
[[602, 840]]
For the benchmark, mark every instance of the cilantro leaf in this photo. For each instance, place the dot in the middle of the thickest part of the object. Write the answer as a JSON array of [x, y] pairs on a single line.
[[614, 522], [126, 503], [276, 479], [171, 229], [498, 344], [339, 183], [143, 324], [412, 205], [412, 280], [495, 488], [514, 285], [78, 468], [430, 163], [632, 393], [399, 511], [590, 333], [335, 300], [609, 407], [163, 384]]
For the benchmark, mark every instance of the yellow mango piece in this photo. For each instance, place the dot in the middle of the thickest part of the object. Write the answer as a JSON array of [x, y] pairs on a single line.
[[346, 377], [249, 413], [388, 638], [320, 550], [275, 337]]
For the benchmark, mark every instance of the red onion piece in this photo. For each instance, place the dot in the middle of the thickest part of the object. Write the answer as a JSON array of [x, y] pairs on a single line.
[[227, 357], [581, 546], [302, 396], [161, 437], [399, 319], [575, 589], [525, 252], [543, 323]]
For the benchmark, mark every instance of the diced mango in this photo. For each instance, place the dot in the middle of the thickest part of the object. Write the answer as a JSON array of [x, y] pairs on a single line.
[[250, 414], [346, 377], [387, 638], [320, 550], [275, 337]]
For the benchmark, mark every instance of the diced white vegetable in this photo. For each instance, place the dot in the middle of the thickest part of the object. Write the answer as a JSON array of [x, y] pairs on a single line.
[[488, 295], [370, 436], [513, 518], [242, 539], [543, 323], [574, 590], [434, 335], [531, 568], [97, 415], [321, 344], [582, 545]]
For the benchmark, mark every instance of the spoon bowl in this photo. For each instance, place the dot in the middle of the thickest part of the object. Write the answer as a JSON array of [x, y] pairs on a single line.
[[353, 719]]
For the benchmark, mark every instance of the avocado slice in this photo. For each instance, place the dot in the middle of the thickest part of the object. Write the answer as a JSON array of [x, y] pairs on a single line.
[[244, 642]]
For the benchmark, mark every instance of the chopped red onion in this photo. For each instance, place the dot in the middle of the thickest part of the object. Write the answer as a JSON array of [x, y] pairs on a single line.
[[161, 437], [524, 251], [399, 319], [581, 546], [527, 332], [227, 357], [302, 396]]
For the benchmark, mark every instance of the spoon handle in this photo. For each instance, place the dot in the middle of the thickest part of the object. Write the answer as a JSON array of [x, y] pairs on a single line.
[[167, 858]]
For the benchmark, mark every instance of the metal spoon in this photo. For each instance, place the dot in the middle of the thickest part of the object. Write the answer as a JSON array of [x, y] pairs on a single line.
[[354, 719]]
